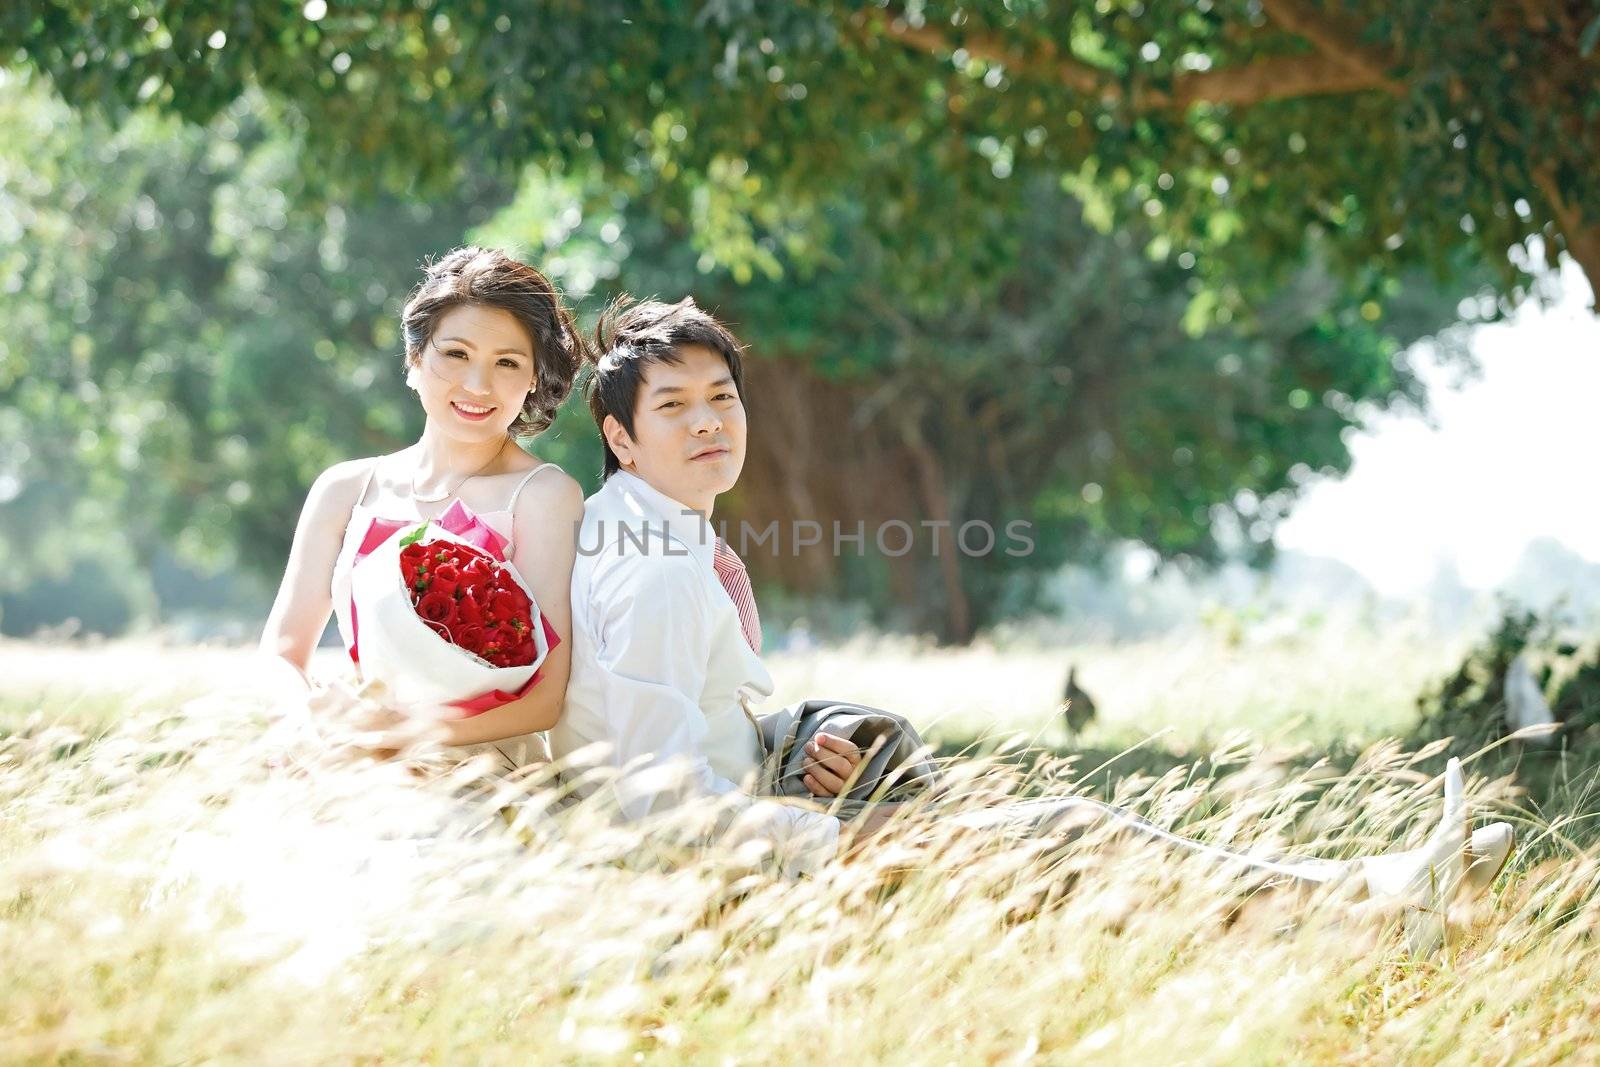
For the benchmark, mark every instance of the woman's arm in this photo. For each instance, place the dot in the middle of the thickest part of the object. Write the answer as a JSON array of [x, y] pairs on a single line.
[[300, 611], [547, 516]]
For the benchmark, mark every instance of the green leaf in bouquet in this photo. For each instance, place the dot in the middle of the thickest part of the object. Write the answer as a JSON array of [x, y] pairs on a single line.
[[414, 536]]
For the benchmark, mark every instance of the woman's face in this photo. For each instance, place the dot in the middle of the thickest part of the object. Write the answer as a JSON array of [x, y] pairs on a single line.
[[476, 373]]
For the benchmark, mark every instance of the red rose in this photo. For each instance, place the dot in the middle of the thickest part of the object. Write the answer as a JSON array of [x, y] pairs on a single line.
[[478, 570], [468, 613], [503, 605], [523, 654], [446, 577], [437, 607], [470, 638]]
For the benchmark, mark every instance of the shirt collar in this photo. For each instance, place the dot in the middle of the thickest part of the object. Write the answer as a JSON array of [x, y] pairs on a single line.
[[685, 524]]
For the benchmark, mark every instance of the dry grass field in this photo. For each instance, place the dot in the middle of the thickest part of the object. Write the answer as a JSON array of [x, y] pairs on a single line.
[[173, 890]]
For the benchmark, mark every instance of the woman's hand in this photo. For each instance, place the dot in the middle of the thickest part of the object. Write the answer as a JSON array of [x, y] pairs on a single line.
[[393, 734], [364, 724]]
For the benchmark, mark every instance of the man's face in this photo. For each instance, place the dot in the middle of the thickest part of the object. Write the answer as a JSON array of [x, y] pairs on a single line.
[[688, 429]]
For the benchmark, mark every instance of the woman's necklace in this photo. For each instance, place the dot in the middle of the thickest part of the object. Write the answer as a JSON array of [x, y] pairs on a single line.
[[448, 493]]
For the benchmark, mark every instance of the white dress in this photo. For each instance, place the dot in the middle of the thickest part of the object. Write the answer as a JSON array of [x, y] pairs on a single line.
[[510, 753]]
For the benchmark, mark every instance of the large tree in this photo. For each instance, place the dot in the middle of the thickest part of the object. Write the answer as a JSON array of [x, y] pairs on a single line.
[[193, 335], [977, 290], [1404, 131], [1063, 389]]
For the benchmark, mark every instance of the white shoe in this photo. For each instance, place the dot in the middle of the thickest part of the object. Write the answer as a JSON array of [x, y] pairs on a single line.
[[1424, 880], [1487, 854]]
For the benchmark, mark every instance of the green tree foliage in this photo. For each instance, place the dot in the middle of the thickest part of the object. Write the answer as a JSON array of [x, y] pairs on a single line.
[[978, 286], [191, 337], [1405, 132]]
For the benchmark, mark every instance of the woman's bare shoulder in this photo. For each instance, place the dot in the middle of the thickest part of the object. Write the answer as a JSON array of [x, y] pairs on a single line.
[[346, 475], [336, 490], [550, 494]]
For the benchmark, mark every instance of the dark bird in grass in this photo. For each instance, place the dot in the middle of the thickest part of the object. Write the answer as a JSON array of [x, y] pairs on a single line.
[[1077, 707]]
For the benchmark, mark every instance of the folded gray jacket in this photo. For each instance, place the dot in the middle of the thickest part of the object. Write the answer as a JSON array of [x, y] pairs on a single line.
[[897, 769]]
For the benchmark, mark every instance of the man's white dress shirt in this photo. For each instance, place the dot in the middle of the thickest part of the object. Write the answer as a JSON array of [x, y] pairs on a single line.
[[660, 668]]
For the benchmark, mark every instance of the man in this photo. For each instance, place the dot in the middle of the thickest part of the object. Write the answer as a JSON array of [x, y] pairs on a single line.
[[666, 639]]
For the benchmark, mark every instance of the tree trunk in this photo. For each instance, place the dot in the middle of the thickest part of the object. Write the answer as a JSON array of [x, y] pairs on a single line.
[[936, 496], [1585, 249], [1582, 235]]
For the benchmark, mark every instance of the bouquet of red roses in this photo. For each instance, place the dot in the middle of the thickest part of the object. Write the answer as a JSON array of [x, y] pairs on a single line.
[[443, 619], [471, 601]]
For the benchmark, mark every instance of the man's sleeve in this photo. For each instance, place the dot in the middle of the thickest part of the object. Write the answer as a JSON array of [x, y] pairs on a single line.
[[653, 644]]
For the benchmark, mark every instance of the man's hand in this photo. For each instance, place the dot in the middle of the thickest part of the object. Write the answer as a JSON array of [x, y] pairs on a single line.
[[830, 761]]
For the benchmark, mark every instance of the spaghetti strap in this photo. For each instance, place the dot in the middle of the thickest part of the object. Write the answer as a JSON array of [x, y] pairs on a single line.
[[512, 504], [366, 485]]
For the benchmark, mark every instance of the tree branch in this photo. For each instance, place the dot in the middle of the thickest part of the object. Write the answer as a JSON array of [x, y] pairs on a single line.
[[1281, 77], [1332, 40], [989, 47], [1268, 78]]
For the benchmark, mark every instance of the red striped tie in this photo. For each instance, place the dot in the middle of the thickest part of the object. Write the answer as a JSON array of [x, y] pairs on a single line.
[[736, 580]]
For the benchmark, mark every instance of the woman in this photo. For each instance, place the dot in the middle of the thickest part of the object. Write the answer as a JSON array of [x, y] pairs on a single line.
[[491, 353]]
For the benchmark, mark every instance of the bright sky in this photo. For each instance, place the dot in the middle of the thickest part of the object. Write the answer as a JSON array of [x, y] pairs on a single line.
[[1512, 455]]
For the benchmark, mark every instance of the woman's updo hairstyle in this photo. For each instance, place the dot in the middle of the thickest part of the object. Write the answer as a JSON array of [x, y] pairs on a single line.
[[486, 277]]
